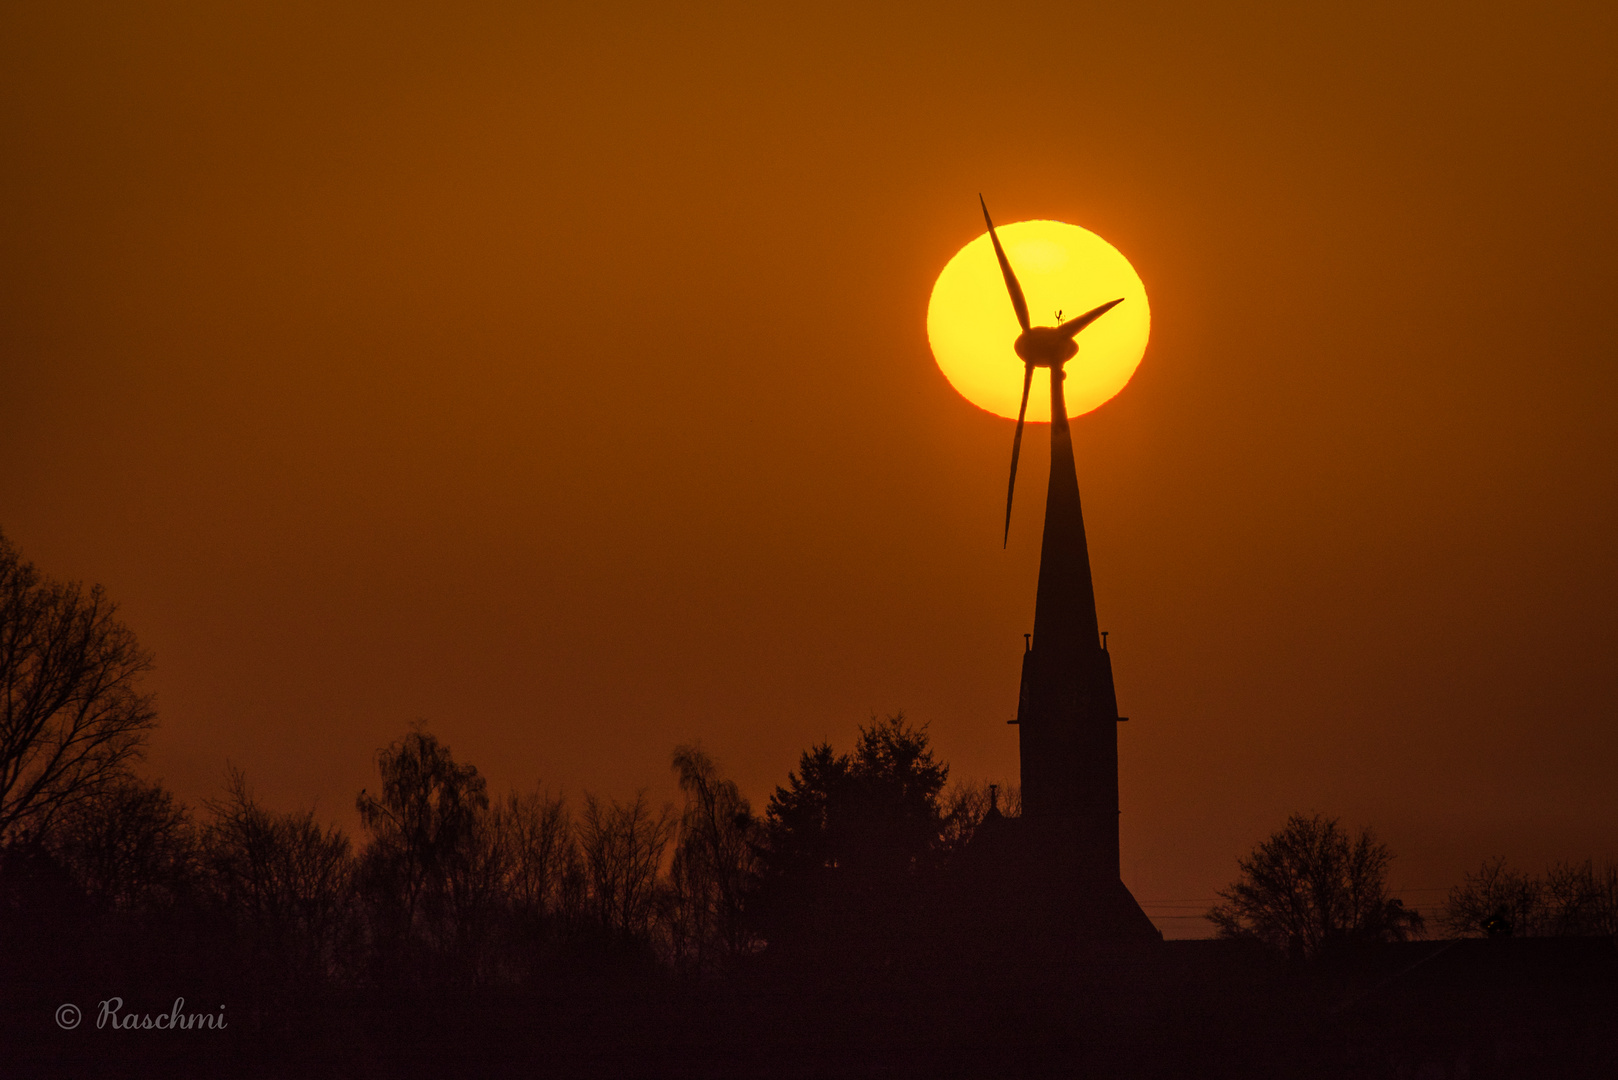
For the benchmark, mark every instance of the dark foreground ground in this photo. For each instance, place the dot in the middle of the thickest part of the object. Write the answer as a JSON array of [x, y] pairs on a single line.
[[1473, 1009]]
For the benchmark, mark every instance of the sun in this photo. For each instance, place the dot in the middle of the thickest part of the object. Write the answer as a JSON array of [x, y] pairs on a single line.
[[971, 324]]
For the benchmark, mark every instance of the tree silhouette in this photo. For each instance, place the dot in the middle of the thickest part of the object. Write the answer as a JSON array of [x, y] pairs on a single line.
[[849, 838], [130, 845], [1310, 887], [544, 876], [622, 845], [894, 821], [713, 868], [71, 716], [284, 879], [1571, 900], [1582, 901], [431, 863], [1497, 901]]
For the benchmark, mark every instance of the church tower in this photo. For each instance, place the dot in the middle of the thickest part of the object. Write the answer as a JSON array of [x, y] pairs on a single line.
[[1067, 717]]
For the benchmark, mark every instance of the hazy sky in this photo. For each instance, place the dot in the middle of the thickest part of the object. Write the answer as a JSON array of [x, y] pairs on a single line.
[[560, 377]]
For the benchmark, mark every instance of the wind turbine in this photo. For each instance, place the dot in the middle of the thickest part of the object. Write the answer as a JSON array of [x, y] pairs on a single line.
[[1038, 346]]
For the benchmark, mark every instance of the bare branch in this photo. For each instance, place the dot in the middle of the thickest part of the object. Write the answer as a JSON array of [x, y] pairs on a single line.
[[71, 717]]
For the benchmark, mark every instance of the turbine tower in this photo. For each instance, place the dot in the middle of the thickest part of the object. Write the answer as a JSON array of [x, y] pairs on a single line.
[[1067, 710]]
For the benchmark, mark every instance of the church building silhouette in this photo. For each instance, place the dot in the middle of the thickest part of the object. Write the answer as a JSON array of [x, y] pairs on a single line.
[[1056, 868]]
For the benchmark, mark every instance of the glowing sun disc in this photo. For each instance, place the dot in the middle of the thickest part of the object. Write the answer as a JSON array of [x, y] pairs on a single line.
[[971, 324]]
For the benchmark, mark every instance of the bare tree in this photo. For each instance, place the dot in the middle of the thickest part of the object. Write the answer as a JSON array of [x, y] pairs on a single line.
[[622, 845], [469, 921], [540, 853], [425, 821], [451, 881], [714, 863], [1571, 900], [1497, 901], [1582, 901], [283, 876], [1311, 886], [130, 846], [71, 717]]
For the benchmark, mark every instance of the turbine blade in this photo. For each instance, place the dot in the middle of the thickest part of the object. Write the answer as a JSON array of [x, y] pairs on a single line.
[[1071, 328], [1016, 448], [1012, 287]]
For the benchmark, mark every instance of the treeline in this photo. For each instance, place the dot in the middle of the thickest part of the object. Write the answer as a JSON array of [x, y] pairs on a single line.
[[1314, 887], [452, 886], [1568, 900], [448, 884]]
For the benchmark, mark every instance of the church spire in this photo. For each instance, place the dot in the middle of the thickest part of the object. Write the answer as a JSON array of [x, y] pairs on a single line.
[[1065, 608], [1068, 718]]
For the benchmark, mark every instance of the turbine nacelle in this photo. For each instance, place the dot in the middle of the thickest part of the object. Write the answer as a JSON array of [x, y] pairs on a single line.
[[1045, 346]]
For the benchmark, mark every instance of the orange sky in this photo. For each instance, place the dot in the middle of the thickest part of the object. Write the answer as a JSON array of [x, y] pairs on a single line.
[[562, 379]]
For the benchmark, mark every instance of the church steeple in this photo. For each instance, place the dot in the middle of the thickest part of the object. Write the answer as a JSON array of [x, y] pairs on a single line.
[[1065, 608], [1068, 713]]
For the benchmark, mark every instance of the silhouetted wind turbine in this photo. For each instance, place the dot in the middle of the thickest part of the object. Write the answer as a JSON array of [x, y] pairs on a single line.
[[1039, 346]]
